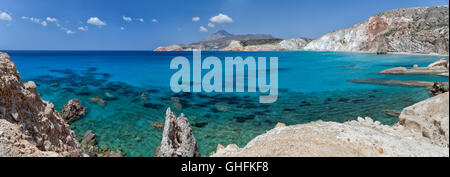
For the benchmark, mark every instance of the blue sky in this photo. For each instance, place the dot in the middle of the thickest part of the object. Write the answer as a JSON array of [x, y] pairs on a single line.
[[145, 24]]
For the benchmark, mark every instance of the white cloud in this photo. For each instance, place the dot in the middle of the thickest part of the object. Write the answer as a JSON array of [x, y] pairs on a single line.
[[96, 21], [68, 31], [50, 19], [203, 29], [128, 19], [195, 19], [35, 20], [221, 18], [5, 16], [122, 28], [154, 21], [83, 28], [211, 25]]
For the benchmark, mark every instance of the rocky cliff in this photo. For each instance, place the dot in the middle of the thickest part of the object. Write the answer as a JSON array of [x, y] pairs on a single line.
[[30, 126], [413, 30]]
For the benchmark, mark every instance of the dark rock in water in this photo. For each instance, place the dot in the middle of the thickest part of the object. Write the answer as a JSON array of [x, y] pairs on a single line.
[[304, 103], [329, 99], [358, 101], [207, 116], [289, 109], [374, 91], [63, 71], [92, 69], [201, 124], [135, 100], [343, 100], [83, 93], [214, 110], [72, 110], [111, 98], [89, 139], [371, 96], [392, 113], [153, 106], [260, 113], [241, 119], [152, 91], [177, 139], [438, 88]]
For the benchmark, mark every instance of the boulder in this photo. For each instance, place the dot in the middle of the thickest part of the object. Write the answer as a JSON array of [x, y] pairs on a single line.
[[439, 88], [430, 118], [89, 139], [177, 139], [72, 110]]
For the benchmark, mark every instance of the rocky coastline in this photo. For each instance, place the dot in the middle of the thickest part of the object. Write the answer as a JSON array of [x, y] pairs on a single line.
[[421, 30], [31, 127]]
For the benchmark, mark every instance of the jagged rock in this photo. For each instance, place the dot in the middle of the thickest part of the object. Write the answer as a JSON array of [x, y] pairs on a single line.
[[409, 30], [89, 139], [439, 88], [177, 139], [363, 137], [72, 110], [33, 122], [437, 68], [430, 118]]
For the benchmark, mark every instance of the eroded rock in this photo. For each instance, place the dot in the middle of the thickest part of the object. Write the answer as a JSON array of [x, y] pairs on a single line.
[[177, 139], [439, 88], [35, 124], [430, 118], [72, 110]]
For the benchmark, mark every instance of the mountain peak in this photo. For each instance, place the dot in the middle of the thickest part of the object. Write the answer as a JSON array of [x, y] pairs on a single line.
[[218, 35]]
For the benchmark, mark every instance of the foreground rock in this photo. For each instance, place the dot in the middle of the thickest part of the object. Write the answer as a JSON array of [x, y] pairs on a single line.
[[411, 30], [411, 83], [429, 118], [177, 139], [89, 142], [72, 110], [437, 68], [30, 125], [361, 138]]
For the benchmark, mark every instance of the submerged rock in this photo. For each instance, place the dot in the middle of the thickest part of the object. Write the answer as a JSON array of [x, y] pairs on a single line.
[[158, 125], [72, 110], [35, 128], [98, 100], [177, 139], [430, 118]]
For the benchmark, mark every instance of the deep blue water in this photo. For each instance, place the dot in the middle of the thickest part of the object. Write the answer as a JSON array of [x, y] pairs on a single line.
[[313, 86]]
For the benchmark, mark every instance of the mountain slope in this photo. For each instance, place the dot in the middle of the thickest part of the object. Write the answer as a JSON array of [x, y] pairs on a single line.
[[411, 30]]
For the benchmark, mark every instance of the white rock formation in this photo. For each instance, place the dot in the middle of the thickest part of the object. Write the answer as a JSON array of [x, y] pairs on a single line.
[[361, 138], [429, 118]]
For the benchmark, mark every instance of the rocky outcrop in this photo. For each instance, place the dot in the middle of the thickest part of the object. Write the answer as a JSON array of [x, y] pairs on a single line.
[[429, 118], [412, 30], [72, 110], [437, 68], [169, 48], [89, 139], [177, 139], [30, 125], [439, 88], [267, 45], [358, 138], [410, 83]]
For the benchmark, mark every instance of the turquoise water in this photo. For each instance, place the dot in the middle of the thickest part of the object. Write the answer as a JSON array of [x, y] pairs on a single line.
[[313, 86]]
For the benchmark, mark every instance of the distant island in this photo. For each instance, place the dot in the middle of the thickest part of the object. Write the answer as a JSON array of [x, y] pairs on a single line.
[[421, 30]]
